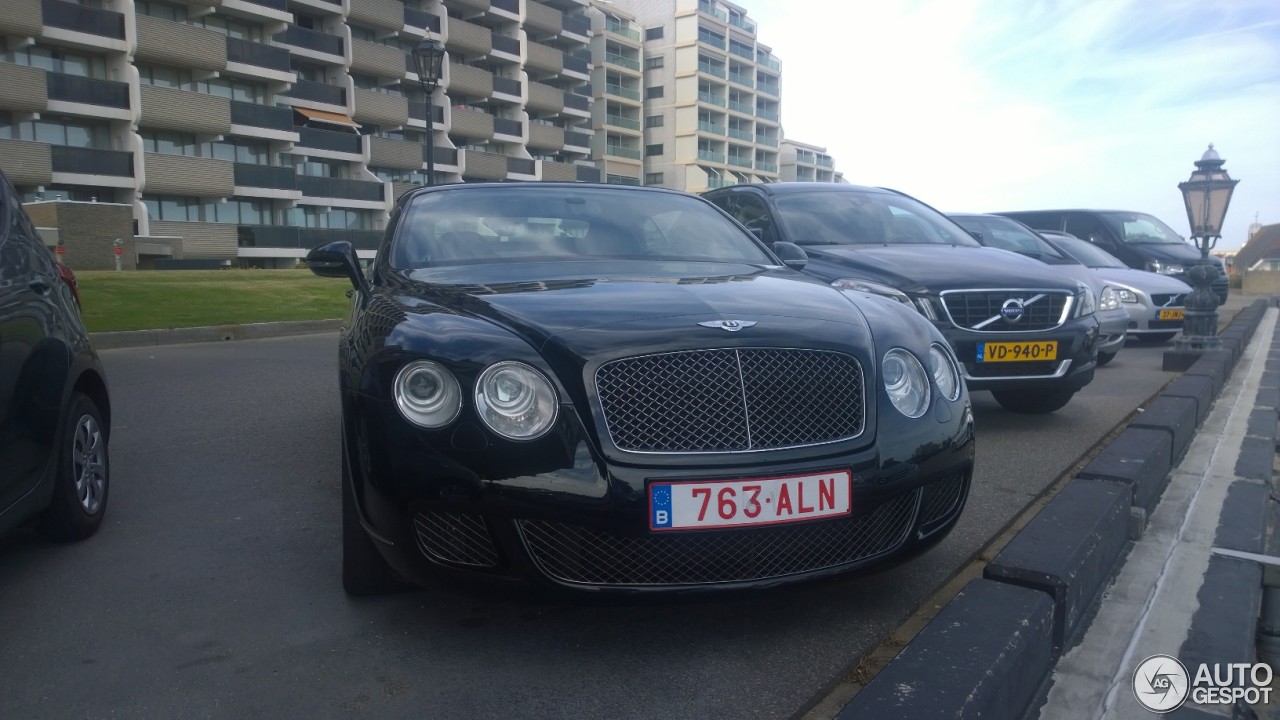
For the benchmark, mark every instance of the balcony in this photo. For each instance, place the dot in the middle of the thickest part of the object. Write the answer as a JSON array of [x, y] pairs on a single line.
[[86, 161], [744, 108], [70, 16], [619, 121], [621, 61], [420, 19], [280, 236], [742, 51], [738, 134], [621, 30], [521, 166], [711, 128], [576, 139], [337, 188], [711, 156], [709, 69], [768, 88], [620, 91], [508, 45], [711, 9], [622, 151], [739, 161], [330, 140], [580, 102], [579, 25], [261, 116], [281, 5], [508, 127], [443, 156], [586, 173], [712, 39], [766, 166], [310, 40], [576, 64], [742, 23], [258, 55], [709, 99], [511, 6], [418, 111], [506, 86], [318, 92], [826, 162], [767, 140], [265, 176], [741, 79], [768, 62], [621, 180], [767, 114], [75, 88]]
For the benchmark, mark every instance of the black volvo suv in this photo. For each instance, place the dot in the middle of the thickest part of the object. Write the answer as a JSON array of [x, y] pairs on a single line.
[[1023, 331]]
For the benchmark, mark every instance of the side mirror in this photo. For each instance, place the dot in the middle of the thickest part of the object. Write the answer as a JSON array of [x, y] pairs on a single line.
[[338, 260], [791, 255]]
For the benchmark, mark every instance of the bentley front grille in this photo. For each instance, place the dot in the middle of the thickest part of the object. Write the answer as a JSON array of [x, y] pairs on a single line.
[[731, 400], [455, 538], [1006, 310], [586, 556]]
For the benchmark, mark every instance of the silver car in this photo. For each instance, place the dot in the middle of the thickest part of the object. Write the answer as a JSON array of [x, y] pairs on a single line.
[[1155, 302]]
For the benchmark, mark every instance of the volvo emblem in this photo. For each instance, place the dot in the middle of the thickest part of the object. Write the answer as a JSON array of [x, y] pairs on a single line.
[[1013, 309], [728, 325]]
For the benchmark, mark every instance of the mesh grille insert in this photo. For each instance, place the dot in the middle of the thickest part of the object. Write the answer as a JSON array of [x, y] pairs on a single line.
[[455, 538]]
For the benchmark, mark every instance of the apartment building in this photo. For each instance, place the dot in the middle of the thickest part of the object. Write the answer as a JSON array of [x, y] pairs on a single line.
[[802, 162], [257, 129]]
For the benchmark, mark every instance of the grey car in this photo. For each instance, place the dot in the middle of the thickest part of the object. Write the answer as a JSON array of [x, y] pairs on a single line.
[[1155, 301]]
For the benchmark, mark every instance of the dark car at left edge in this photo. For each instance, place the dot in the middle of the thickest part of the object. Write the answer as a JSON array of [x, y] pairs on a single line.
[[620, 390]]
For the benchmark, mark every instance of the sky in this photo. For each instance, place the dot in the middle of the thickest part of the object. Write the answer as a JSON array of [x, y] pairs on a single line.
[[989, 105]]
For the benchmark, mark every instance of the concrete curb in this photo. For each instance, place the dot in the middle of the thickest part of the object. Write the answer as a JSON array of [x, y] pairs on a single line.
[[209, 333], [1139, 458]]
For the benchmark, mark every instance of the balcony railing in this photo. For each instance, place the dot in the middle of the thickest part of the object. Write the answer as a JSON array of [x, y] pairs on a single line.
[[338, 188], [418, 111], [621, 61], [768, 88], [576, 64], [739, 161], [711, 9], [738, 134], [280, 236], [621, 180], [261, 116], [511, 6], [318, 92], [508, 127], [578, 102], [444, 156], [265, 176], [506, 86], [75, 88], [310, 39], [710, 156], [620, 91], [579, 25], [420, 19], [87, 161], [767, 114], [744, 108], [826, 162], [508, 45], [620, 151], [576, 139], [741, 79], [710, 99], [70, 16], [711, 39], [712, 128], [619, 121], [709, 69], [767, 140], [766, 166], [281, 5], [330, 140], [768, 62], [742, 51], [586, 173], [257, 54], [743, 23], [521, 166], [618, 28], [715, 182]]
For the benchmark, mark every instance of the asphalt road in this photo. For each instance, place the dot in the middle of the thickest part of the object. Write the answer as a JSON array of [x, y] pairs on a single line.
[[213, 588]]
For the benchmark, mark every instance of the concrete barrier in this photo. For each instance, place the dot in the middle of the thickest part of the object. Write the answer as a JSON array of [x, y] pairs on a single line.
[[1198, 388], [1175, 416], [1138, 457]]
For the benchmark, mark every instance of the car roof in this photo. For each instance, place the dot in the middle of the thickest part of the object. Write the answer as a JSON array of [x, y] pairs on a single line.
[[473, 186], [785, 188], [1064, 210]]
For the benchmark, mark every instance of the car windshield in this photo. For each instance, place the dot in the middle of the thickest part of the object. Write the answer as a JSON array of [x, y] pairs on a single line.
[[1141, 229], [1006, 234], [533, 223], [865, 218], [1087, 253]]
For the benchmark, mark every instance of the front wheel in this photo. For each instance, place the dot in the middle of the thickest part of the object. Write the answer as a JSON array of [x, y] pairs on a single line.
[[1032, 402], [83, 477]]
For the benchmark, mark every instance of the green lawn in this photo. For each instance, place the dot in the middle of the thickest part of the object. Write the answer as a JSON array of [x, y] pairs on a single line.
[[147, 299]]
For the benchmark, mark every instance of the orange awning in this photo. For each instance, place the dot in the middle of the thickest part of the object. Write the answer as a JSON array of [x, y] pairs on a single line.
[[327, 117]]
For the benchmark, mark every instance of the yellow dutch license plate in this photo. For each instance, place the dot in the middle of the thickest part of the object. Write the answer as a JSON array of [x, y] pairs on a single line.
[[1017, 351], [1175, 314]]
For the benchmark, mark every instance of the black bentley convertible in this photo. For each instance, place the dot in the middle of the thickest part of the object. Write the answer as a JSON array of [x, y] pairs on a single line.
[[620, 389]]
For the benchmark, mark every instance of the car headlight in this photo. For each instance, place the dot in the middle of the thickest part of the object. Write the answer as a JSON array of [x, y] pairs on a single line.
[[515, 400], [1126, 295], [944, 372], [427, 394], [906, 382], [1165, 268], [1110, 300], [1087, 305], [874, 288]]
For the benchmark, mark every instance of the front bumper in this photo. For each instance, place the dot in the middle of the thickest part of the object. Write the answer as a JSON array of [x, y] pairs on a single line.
[[1113, 324], [1144, 316]]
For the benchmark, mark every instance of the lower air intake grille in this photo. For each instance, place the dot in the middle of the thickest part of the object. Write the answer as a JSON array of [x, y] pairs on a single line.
[[941, 498], [455, 538]]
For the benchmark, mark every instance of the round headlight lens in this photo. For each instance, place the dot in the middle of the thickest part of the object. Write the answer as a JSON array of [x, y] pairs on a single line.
[[515, 400], [906, 382], [944, 372], [427, 394], [1110, 300]]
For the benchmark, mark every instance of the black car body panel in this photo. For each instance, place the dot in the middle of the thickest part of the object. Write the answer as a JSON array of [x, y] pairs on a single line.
[[931, 273], [570, 509]]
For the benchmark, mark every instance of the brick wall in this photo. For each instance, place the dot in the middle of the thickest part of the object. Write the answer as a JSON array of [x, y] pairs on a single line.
[[88, 231]]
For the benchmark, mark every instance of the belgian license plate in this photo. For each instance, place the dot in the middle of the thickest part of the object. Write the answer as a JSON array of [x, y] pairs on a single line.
[[1017, 351], [745, 503], [1172, 314]]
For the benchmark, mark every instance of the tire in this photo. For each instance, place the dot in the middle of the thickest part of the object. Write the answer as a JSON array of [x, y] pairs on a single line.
[[83, 476], [1104, 358], [1156, 338], [1032, 402], [364, 570]]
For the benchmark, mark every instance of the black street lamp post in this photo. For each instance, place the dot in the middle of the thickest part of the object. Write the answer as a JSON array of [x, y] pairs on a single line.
[[428, 57], [1206, 196]]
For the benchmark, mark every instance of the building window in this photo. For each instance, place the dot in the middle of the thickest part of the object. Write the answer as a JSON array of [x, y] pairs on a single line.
[[653, 33], [653, 178], [165, 77], [656, 91], [169, 143], [652, 62], [58, 61], [653, 121], [653, 149], [165, 11]]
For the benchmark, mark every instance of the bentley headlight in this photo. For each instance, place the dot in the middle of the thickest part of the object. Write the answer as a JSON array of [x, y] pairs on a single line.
[[427, 394], [874, 288], [1165, 268], [1110, 300], [944, 372], [515, 400], [1087, 305], [906, 382]]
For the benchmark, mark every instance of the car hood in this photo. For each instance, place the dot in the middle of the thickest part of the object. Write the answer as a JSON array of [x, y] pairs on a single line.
[[1147, 282], [1168, 252], [933, 268]]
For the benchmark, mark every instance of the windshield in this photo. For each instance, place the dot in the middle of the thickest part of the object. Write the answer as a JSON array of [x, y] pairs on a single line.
[[865, 218], [1006, 234], [1140, 229], [1085, 252], [533, 223]]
